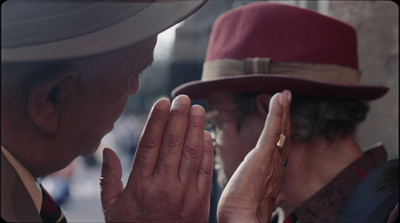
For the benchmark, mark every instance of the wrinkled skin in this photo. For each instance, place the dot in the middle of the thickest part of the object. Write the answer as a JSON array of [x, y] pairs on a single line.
[[251, 194], [172, 171]]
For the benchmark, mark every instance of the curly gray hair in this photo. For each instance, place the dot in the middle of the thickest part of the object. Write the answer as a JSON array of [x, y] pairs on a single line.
[[313, 116]]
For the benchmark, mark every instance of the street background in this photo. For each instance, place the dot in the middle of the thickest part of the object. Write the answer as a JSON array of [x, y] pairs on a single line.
[[179, 56]]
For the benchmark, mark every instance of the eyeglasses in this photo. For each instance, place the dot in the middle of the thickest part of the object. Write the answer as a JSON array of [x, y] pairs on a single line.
[[215, 121], [211, 128]]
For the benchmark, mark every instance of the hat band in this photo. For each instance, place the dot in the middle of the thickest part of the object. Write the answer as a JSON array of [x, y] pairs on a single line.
[[223, 68]]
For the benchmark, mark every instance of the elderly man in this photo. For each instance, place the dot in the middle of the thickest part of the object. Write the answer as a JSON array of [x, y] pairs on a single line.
[[262, 48], [68, 69]]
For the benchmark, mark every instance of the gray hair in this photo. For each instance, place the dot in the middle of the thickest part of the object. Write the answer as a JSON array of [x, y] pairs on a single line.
[[313, 116]]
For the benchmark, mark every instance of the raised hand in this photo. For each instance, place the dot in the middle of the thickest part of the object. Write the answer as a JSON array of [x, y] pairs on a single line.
[[251, 194], [172, 171]]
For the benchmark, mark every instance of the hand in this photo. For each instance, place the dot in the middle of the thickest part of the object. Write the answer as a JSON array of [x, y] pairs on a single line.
[[172, 171], [251, 194]]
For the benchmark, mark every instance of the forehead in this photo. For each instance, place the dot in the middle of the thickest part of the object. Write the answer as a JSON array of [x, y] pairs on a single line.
[[132, 59]]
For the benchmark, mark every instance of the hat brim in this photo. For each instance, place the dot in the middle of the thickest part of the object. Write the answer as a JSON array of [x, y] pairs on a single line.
[[197, 90], [140, 25]]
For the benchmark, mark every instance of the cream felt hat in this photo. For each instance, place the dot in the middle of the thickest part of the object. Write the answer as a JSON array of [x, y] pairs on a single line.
[[35, 31]]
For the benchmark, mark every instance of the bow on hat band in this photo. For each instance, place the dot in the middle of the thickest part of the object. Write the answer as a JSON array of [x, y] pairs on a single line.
[[318, 72]]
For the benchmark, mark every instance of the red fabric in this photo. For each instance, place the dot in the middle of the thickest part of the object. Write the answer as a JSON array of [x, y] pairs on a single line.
[[285, 34], [50, 210], [289, 219], [362, 173]]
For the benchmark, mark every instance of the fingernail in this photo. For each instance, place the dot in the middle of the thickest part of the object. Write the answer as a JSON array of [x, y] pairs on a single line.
[[197, 110], [280, 99], [162, 103], [180, 100], [289, 96]]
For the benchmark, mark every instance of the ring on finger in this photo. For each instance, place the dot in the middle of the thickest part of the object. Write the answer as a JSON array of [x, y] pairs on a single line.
[[281, 143]]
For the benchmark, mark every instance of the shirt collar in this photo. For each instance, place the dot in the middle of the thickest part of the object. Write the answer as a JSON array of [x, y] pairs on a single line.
[[327, 204], [27, 178]]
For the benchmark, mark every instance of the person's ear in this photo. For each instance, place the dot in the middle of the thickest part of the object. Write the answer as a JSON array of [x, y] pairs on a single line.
[[47, 95], [262, 104]]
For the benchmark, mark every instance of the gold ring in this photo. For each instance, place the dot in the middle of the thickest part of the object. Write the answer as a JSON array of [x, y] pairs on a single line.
[[281, 143]]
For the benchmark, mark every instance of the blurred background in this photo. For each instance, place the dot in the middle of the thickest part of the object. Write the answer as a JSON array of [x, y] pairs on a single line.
[[179, 56]]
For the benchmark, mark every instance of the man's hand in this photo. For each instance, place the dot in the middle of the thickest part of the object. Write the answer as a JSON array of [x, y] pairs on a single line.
[[172, 171], [251, 194]]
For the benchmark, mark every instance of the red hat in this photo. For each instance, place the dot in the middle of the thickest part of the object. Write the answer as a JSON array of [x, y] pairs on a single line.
[[269, 47]]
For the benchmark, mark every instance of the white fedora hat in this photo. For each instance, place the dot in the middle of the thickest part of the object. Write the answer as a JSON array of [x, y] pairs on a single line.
[[35, 31]]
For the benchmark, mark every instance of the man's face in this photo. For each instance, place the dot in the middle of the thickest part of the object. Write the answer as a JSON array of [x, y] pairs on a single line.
[[231, 144], [102, 95]]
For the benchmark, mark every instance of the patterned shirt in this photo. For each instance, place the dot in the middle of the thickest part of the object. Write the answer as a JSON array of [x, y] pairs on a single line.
[[327, 205]]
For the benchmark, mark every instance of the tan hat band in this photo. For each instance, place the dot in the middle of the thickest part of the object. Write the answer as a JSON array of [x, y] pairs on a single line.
[[319, 72]]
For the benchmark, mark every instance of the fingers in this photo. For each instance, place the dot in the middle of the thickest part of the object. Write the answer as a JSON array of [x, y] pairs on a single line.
[[110, 180], [193, 145], [276, 133], [174, 145], [204, 176], [256, 183], [273, 126], [286, 99], [147, 153], [172, 142], [174, 137], [285, 128], [278, 126]]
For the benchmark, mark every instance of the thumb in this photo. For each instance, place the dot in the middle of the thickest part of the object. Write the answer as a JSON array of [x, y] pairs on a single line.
[[110, 180]]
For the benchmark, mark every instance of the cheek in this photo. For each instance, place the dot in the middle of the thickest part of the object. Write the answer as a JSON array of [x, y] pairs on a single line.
[[232, 149], [114, 102], [234, 145]]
